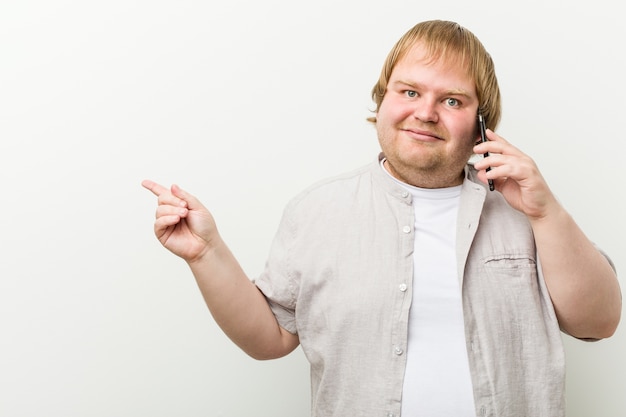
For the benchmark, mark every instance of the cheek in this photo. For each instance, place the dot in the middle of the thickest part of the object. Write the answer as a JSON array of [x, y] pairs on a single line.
[[471, 135], [466, 142], [391, 111], [464, 130]]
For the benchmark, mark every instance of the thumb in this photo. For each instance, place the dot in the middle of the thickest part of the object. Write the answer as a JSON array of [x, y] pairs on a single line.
[[192, 202]]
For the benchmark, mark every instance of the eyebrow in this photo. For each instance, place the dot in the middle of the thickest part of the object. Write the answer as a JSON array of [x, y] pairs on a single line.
[[450, 92]]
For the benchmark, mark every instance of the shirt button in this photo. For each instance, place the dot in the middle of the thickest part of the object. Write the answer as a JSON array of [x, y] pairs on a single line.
[[406, 229], [397, 350], [403, 287], [391, 415], [405, 194]]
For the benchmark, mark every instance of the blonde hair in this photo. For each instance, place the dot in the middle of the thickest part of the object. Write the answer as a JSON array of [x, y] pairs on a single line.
[[451, 42]]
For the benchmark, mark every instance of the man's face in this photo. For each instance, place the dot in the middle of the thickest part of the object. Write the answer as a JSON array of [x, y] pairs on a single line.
[[426, 122]]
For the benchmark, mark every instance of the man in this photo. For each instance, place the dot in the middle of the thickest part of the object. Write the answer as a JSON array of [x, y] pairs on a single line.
[[413, 289]]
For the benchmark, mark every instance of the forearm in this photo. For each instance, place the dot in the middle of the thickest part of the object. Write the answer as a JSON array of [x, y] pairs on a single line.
[[239, 307], [582, 284]]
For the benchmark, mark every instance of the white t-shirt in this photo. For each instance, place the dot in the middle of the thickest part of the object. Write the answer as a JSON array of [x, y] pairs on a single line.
[[437, 381]]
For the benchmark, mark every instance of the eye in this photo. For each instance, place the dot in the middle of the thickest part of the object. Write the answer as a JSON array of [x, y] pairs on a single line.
[[452, 102], [411, 93]]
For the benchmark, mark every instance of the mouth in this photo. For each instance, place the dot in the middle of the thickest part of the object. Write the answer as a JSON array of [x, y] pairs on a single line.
[[421, 134]]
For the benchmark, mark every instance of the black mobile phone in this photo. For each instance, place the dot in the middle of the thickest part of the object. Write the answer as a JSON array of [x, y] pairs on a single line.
[[483, 138]]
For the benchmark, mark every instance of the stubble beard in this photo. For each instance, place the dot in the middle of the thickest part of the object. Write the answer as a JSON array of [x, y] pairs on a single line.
[[429, 169]]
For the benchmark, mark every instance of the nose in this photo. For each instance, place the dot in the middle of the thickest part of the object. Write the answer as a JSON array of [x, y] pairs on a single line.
[[426, 110]]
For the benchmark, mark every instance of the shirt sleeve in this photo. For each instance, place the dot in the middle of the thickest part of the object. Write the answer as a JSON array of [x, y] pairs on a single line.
[[278, 282]]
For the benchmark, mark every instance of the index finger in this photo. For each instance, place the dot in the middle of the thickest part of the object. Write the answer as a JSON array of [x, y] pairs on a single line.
[[495, 144], [155, 188]]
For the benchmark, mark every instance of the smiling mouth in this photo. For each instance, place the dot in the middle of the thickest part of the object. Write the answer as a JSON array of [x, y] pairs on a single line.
[[420, 134]]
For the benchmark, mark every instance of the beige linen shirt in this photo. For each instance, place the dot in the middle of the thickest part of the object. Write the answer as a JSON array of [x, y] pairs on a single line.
[[340, 275]]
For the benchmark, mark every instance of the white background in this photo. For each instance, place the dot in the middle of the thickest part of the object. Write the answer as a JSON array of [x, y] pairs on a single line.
[[243, 103]]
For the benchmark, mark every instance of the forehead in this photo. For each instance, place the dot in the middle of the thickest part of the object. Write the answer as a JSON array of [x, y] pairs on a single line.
[[420, 64]]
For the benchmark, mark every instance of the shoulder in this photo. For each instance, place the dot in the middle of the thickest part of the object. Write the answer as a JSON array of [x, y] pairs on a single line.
[[335, 188]]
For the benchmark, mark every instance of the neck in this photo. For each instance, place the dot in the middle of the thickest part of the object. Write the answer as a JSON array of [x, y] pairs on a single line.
[[426, 178]]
